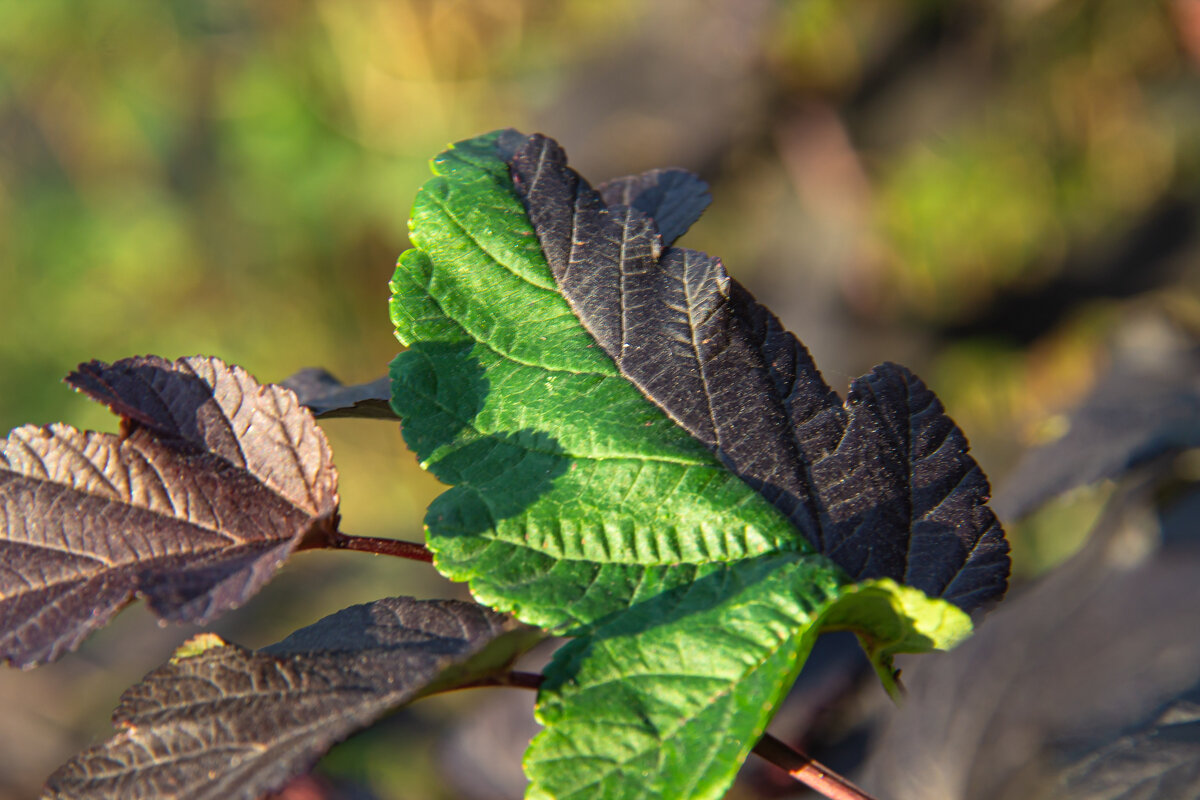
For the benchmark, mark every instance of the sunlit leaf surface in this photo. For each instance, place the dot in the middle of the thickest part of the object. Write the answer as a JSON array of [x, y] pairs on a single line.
[[642, 457]]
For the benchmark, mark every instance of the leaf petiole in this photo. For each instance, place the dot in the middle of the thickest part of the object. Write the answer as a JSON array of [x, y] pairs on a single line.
[[806, 770], [379, 546]]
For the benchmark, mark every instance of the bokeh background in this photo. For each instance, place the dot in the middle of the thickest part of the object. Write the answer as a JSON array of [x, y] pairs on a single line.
[[1001, 195]]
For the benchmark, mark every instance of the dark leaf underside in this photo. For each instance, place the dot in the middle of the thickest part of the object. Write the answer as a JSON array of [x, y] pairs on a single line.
[[882, 484], [1162, 759], [226, 723], [214, 483], [673, 198], [326, 396]]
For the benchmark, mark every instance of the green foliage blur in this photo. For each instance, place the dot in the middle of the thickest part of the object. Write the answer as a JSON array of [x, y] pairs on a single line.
[[994, 193]]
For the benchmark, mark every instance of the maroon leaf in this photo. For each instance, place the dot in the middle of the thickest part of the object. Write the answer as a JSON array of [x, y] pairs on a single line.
[[221, 721], [216, 481]]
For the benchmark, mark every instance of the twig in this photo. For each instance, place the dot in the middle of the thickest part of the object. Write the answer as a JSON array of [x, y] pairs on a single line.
[[380, 546], [808, 771], [513, 680], [801, 767]]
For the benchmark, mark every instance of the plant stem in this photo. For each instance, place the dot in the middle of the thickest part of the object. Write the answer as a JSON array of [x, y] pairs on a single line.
[[513, 679], [808, 771], [801, 767], [380, 546]]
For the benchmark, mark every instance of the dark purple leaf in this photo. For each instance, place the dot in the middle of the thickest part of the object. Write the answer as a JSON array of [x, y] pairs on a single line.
[[326, 396], [673, 198], [216, 481], [900, 489], [234, 724], [885, 488]]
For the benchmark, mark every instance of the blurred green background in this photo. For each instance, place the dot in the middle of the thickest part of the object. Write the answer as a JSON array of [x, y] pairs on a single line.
[[997, 194]]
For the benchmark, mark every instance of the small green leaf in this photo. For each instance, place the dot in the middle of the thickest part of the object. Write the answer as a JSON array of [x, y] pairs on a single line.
[[197, 645], [889, 619]]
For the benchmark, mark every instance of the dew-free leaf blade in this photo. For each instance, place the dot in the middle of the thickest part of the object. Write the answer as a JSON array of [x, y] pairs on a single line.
[[1143, 408], [673, 198], [666, 320], [194, 513], [222, 409], [1162, 759], [221, 721], [668, 699], [1078, 671], [632, 444]]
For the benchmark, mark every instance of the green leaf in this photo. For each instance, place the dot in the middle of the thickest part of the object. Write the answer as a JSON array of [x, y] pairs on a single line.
[[883, 484], [582, 501], [669, 698], [574, 495], [889, 619]]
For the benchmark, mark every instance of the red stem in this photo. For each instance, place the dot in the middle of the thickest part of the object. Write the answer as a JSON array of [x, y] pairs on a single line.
[[514, 680], [801, 767], [808, 771], [380, 546]]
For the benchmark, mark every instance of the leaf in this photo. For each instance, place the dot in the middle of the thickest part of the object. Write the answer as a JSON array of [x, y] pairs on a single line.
[[673, 198], [220, 721], [582, 502], [883, 485], [326, 396], [1161, 759], [215, 483], [573, 495], [668, 699], [1142, 409], [891, 619], [905, 500]]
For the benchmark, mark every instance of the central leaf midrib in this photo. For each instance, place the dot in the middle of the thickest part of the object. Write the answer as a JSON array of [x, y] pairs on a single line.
[[716, 428]]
